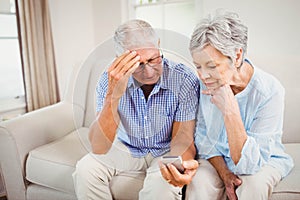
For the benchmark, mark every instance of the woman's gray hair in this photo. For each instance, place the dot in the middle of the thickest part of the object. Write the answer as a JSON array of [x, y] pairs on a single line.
[[224, 31], [135, 34]]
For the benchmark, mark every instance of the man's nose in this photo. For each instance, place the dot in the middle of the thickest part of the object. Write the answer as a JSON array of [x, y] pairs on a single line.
[[148, 70]]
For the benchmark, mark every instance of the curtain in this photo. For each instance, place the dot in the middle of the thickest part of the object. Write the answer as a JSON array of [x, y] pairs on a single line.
[[37, 53]]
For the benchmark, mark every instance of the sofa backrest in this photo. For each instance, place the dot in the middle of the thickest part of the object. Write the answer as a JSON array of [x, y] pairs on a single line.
[[175, 46], [83, 81], [286, 70]]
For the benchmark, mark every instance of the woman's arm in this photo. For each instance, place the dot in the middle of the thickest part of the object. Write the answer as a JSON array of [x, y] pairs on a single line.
[[225, 100], [231, 181]]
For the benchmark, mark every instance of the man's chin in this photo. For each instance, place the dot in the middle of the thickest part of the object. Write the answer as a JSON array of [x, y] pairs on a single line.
[[150, 81]]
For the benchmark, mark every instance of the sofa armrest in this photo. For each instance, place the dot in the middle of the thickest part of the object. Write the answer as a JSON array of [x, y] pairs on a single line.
[[22, 134]]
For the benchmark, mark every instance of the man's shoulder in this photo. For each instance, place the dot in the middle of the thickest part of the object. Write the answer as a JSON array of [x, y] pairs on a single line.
[[179, 68], [178, 77]]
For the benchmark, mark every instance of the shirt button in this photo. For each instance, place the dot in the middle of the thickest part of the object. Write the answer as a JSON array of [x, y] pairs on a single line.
[[142, 97], [145, 118]]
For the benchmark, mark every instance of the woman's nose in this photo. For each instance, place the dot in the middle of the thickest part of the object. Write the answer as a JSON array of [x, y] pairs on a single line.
[[203, 74]]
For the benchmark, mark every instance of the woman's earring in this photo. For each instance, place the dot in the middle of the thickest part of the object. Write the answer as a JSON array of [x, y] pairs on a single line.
[[239, 65]]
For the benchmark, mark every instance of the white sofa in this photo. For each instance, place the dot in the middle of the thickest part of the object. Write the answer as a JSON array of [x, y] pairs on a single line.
[[39, 150]]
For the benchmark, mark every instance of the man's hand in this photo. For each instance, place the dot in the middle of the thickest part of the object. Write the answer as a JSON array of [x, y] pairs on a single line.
[[174, 177], [119, 73], [231, 182], [103, 129]]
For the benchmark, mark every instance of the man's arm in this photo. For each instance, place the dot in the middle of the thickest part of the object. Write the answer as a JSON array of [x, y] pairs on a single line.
[[103, 129], [182, 144]]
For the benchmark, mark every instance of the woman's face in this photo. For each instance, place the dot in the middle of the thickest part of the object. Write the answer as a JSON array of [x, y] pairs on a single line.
[[214, 69]]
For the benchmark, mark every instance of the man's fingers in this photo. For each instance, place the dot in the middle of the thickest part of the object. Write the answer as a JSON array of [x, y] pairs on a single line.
[[132, 69], [129, 65], [179, 179], [165, 172], [174, 171], [190, 164], [124, 65], [120, 62], [117, 60]]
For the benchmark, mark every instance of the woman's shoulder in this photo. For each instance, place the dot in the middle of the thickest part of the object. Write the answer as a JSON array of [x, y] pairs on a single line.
[[265, 83]]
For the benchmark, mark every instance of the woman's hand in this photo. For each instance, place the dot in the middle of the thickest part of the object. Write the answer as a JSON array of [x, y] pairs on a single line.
[[231, 182], [223, 98], [174, 177], [119, 73]]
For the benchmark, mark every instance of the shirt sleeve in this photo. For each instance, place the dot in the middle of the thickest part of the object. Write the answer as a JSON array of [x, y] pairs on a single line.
[[264, 135], [206, 144], [101, 90], [206, 148], [188, 99]]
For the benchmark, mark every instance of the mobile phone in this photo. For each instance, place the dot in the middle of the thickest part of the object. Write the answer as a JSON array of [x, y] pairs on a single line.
[[174, 160]]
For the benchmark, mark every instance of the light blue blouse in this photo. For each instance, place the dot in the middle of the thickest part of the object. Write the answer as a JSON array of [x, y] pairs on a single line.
[[261, 106]]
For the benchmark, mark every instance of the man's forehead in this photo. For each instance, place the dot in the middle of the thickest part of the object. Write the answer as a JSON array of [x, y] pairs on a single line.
[[144, 48]]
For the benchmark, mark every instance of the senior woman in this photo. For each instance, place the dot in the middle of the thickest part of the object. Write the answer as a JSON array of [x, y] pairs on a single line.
[[240, 117]]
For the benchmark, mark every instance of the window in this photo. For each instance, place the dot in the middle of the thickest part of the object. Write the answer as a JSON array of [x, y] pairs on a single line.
[[12, 101], [176, 15]]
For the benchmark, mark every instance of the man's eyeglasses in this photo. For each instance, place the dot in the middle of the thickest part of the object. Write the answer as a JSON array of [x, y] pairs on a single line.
[[152, 62]]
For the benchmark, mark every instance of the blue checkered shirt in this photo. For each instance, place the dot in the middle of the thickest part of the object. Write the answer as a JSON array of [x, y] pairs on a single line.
[[146, 126]]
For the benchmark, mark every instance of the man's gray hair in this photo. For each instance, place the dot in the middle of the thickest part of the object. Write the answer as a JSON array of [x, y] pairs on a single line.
[[135, 34], [224, 31]]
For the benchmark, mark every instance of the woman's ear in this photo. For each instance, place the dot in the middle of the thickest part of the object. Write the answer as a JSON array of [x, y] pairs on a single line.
[[239, 58]]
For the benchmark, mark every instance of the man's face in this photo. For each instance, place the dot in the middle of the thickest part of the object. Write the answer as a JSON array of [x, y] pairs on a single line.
[[151, 66]]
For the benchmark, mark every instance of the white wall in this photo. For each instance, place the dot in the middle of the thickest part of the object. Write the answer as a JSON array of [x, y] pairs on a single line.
[[73, 34], [273, 24], [4, 6], [78, 27], [108, 15]]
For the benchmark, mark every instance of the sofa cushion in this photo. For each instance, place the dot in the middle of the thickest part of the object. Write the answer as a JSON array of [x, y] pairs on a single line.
[[289, 187], [52, 165]]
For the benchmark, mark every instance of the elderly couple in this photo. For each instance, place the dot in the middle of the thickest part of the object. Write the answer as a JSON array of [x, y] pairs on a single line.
[[226, 124]]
